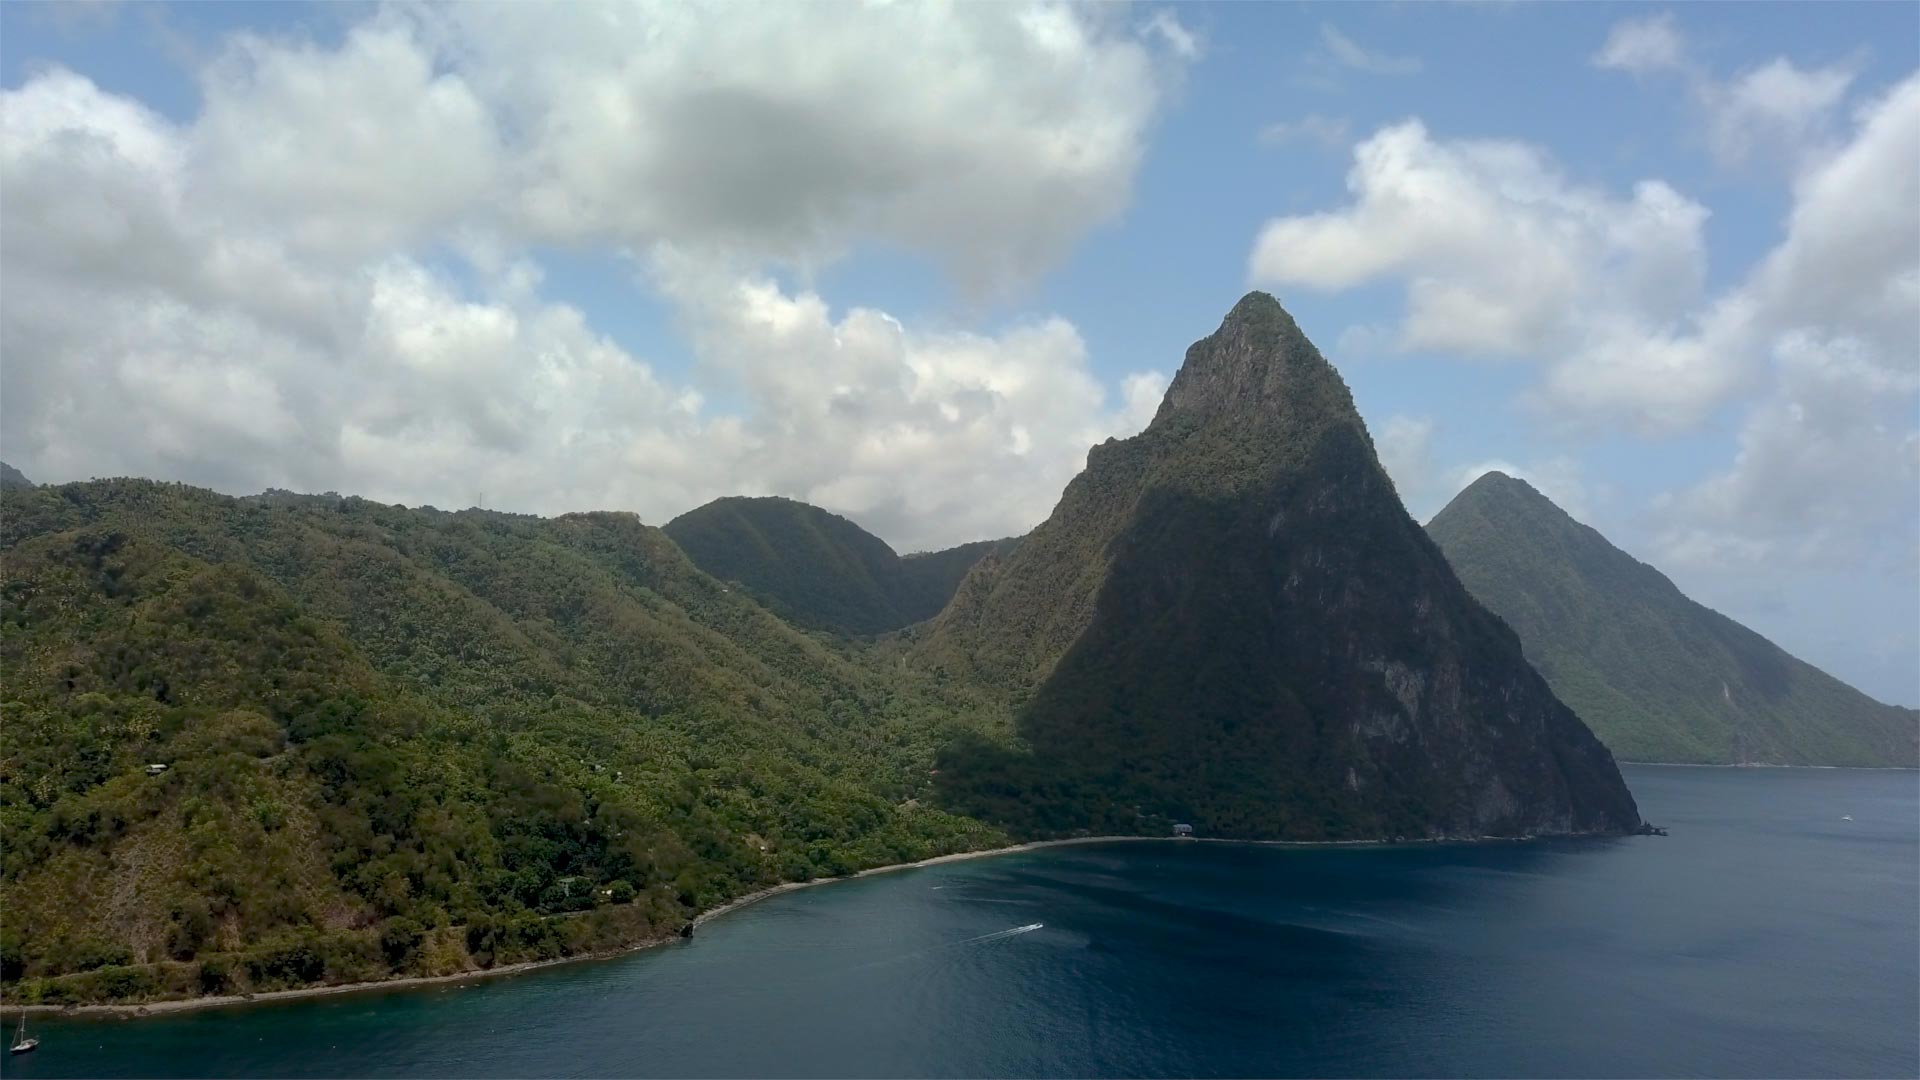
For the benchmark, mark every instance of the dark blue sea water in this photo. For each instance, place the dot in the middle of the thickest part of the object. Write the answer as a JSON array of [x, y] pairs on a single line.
[[1765, 937]]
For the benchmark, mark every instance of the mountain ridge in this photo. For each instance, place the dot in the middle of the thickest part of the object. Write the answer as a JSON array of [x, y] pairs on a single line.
[[819, 569], [1657, 675]]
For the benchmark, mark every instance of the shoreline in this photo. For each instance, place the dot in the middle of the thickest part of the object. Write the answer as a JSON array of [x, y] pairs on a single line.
[[1766, 765], [134, 1011], [176, 1005]]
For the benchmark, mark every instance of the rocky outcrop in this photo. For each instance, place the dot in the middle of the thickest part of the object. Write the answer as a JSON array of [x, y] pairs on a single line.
[[1230, 620]]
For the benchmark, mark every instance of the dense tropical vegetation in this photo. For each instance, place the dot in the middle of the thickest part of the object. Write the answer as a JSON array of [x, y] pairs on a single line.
[[409, 742], [817, 569], [1657, 676]]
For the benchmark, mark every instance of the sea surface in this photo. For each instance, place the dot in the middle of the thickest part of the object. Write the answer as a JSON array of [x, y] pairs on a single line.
[[1767, 936]]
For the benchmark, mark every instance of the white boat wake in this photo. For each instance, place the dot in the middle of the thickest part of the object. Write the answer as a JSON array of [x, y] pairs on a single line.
[[996, 935], [932, 950]]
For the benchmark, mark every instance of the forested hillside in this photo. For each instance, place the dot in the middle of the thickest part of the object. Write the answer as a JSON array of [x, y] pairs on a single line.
[[1657, 676], [403, 741], [819, 570]]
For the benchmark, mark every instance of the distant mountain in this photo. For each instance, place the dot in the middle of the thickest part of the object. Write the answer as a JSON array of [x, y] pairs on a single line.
[[816, 568], [11, 479], [1657, 676], [1229, 620], [248, 744]]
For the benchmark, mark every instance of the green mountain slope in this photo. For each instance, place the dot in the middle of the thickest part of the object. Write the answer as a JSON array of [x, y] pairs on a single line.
[[405, 741], [1229, 619], [12, 479], [1657, 676], [816, 568]]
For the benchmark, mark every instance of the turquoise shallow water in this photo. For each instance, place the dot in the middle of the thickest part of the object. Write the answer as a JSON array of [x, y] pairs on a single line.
[[1764, 937]]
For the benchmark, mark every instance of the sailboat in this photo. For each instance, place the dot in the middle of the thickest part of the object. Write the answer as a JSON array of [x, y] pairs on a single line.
[[21, 1042]]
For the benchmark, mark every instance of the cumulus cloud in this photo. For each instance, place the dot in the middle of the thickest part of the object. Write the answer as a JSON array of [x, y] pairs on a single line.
[[1500, 253], [923, 436], [991, 136], [1778, 109], [352, 151], [1495, 244], [1827, 473], [273, 293], [1851, 257], [1828, 470], [987, 137]]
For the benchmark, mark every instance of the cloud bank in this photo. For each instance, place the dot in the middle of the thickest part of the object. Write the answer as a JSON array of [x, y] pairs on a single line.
[[328, 277]]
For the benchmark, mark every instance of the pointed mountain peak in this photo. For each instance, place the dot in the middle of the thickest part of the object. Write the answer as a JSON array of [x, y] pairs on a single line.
[[1495, 488], [1493, 482], [1257, 306], [1258, 362]]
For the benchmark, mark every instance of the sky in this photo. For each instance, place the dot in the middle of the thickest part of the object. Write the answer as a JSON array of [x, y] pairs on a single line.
[[909, 261]]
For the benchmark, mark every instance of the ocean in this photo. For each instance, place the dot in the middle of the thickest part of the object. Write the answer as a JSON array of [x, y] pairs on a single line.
[[1766, 936]]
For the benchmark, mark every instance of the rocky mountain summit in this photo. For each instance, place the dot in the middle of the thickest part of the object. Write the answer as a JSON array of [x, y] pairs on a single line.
[[1229, 620]]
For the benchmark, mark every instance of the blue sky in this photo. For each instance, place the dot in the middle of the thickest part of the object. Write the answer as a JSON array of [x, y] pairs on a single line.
[[917, 292]]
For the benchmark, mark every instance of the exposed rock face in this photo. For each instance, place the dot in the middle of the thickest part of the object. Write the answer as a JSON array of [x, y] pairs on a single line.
[[1657, 676], [1231, 620]]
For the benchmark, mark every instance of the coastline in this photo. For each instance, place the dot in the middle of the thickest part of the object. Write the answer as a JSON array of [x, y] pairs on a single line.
[[176, 1005], [1766, 765]]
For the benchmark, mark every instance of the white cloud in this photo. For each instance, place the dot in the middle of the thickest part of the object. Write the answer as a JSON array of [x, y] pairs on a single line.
[[353, 151], [1828, 471], [1350, 53], [261, 296], [1777, 109], [1500, 254], [924, 437], [1851, 257], [989, 136], [1503, 256], [1647, 43]]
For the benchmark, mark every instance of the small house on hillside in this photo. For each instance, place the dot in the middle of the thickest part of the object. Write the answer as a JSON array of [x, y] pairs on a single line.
[[1183, 830]]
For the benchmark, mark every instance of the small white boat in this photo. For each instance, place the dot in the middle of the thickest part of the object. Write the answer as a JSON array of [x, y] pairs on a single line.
[[1846, 817], [21, 1042]]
